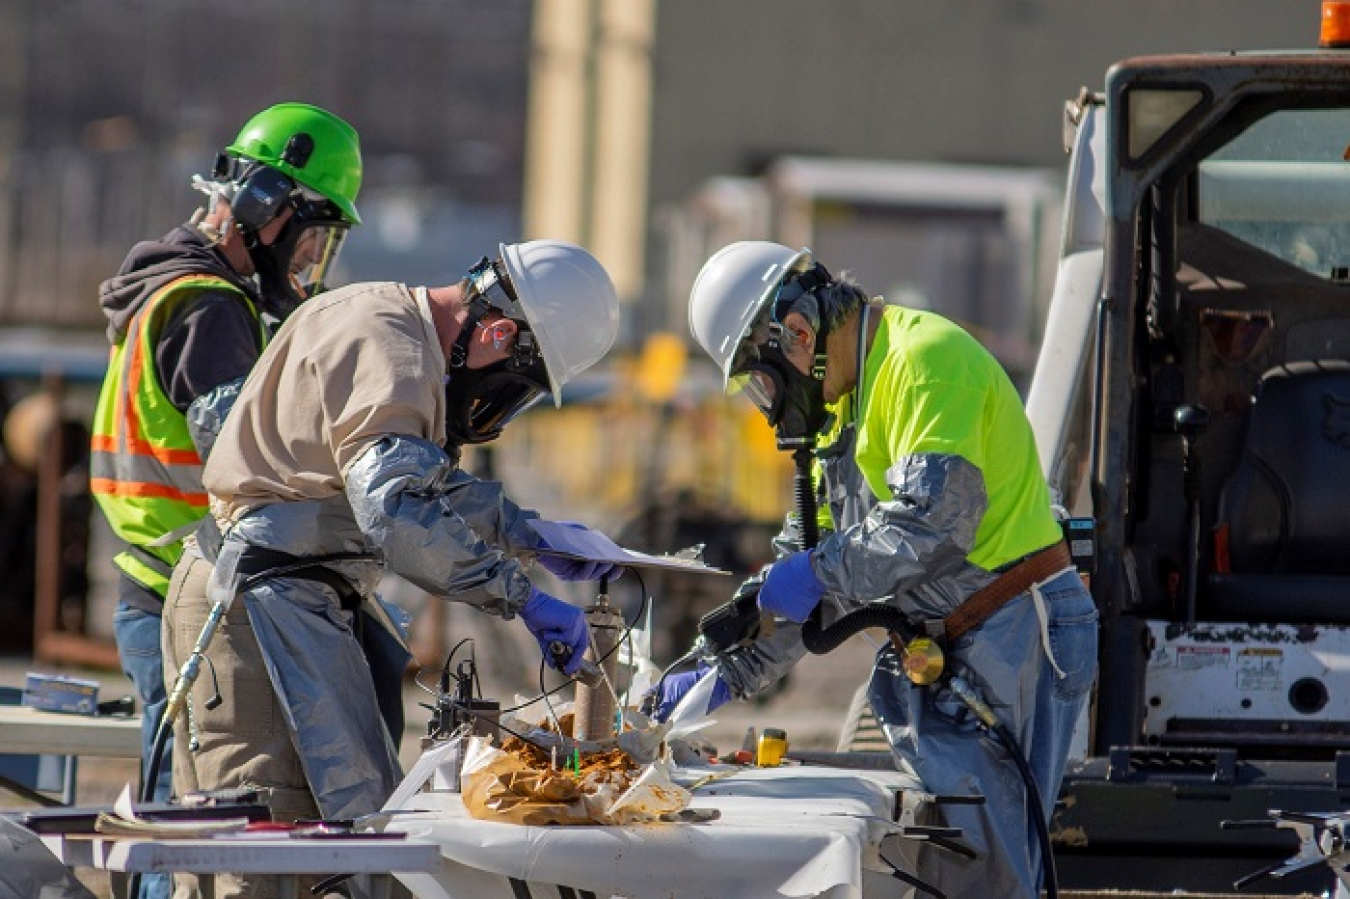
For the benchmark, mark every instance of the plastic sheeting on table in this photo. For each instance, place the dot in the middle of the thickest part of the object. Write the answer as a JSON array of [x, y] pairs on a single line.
[[784, 832]]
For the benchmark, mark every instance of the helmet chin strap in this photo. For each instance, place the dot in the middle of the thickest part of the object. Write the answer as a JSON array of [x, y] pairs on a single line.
[[459, 350]]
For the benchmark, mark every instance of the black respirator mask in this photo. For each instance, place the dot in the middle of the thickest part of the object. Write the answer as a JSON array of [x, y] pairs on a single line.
[[298, 263], [792, 402], [480, 402]]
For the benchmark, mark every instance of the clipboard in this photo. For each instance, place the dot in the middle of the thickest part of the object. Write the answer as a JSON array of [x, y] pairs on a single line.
[[573, 542]]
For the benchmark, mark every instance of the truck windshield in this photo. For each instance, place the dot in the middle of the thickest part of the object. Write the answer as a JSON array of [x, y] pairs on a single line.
[[1283, 186]]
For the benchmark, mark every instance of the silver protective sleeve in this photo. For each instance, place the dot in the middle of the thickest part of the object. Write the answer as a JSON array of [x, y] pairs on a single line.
[[494, 517], [751, 668], [401, 492], [922, 534], [206, 415], [915, 544]]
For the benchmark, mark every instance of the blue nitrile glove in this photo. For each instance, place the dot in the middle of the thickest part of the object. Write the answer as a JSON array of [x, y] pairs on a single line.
[[673, 687], [791, 589], [567, 569], [552, 620]]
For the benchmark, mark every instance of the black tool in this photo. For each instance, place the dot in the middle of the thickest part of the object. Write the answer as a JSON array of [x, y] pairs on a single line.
[[733, 622], [122, 707], [589, 673]]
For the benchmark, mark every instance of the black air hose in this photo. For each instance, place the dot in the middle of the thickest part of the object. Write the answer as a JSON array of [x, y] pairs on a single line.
[[804, 493], [820, 640]]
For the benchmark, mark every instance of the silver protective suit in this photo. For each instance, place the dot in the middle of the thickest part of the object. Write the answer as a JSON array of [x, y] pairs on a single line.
[[910, 551], [417, 515], [206, 415]]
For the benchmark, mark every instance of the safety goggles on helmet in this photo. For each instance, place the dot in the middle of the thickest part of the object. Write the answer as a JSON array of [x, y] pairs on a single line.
[[491, 282], [489, 288], [796, 287], [301, 256]]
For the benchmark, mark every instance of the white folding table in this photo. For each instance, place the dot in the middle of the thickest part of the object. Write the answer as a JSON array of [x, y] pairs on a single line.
[[779, 832], [25, 731], [282, 855], [28, 731]]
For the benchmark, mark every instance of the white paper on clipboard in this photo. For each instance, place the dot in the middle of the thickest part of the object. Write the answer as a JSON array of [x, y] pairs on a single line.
[[583, 543]]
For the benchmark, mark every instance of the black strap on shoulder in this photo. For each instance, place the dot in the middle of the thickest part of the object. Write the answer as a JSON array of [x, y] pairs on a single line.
[[153, 562]]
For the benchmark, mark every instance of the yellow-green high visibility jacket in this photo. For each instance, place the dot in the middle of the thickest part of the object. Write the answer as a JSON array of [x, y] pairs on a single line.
[[145, 473]]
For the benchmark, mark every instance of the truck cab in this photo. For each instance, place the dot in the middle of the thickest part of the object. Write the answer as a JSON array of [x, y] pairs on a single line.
[[1191, 402]]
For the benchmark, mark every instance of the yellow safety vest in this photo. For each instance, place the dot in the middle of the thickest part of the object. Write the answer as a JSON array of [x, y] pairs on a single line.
[[145, 473]]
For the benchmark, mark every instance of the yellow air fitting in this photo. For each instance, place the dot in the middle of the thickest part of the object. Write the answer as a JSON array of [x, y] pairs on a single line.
[[922, 660]]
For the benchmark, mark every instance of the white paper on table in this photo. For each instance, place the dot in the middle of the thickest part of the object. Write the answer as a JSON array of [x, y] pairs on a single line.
[[583, 543], [422, 771], [125, 822]]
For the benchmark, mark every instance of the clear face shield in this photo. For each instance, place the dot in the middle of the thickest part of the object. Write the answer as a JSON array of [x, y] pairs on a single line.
[[792, 403], [495, 401], [316, 252], [299, 261], [763, 386]]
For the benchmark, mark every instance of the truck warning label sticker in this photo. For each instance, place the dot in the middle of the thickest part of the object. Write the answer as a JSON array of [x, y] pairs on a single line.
[[1259, 669], [1190, 658]]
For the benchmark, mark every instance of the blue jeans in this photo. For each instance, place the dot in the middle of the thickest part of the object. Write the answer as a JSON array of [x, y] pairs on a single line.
[[935, 736], [137, 636]]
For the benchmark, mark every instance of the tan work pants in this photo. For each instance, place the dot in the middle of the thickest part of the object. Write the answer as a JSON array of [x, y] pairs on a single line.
[[244, 742]]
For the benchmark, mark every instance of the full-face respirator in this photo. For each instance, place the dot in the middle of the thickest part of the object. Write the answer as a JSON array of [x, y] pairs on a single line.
[[480, 402], [792, 402]]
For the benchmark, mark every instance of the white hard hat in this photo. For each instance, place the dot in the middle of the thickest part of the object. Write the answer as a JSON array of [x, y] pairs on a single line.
[[569, 302], [730, 291]]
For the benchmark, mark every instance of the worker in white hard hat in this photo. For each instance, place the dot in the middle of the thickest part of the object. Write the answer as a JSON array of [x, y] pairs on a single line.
[[936, 519], [338, 462]]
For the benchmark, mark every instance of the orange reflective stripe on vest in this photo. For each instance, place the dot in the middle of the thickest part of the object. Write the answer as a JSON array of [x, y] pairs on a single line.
[[145, 473]]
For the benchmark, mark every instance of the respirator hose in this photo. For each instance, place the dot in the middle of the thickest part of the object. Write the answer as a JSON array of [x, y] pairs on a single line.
[[820, 640], [804, 495]]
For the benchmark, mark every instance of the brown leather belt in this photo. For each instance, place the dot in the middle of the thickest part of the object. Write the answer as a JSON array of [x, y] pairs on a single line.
[[1014, 582]]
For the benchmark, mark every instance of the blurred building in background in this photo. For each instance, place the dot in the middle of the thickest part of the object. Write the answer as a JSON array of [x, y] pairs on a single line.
[[917, 144], [108, 109]]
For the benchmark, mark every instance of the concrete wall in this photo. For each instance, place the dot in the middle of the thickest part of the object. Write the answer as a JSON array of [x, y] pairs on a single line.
[[983, 81]]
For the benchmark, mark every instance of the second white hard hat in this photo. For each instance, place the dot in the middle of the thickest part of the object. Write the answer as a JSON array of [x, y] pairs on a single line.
[[731, 290]]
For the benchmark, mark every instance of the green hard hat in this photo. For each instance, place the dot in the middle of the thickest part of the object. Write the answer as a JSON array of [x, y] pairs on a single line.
[[329, 162]]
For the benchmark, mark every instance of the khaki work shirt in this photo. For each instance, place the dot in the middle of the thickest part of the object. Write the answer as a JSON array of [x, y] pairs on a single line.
[[348, 367]]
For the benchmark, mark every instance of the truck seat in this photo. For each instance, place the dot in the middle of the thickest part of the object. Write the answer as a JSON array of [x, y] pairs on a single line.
[[1282, 536]]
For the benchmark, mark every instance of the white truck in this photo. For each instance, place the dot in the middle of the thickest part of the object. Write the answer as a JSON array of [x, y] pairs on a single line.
[[1192, 405]]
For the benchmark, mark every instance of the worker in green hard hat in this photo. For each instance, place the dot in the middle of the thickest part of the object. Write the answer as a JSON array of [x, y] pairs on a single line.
[[188, 315], [296, 168]]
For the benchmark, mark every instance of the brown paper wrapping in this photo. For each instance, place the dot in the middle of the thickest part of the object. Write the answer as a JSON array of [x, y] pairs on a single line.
[[515, 787]]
